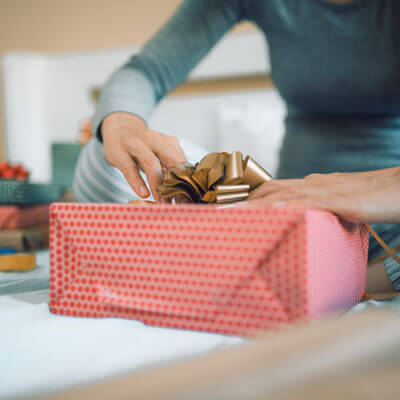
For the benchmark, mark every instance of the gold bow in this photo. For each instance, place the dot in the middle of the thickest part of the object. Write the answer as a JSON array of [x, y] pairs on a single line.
[[217, 178]]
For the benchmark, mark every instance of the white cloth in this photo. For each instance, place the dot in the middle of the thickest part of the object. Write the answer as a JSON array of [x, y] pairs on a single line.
[[42, 352], [33, 280]]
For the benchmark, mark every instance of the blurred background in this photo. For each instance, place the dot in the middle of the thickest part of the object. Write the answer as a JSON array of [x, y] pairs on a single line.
[[48, 26], [68, 26], [56, 55]]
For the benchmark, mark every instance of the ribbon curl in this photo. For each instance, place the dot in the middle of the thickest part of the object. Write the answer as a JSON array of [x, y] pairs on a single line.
[[217, 178]]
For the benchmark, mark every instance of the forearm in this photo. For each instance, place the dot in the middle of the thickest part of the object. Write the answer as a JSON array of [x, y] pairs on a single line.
[[167, 58], [128, 91]]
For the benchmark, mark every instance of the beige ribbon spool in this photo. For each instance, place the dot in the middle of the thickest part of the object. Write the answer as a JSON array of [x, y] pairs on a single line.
[[218, 178], [17, 262]]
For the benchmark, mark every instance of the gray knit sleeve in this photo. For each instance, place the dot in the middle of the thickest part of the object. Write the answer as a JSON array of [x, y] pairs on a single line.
[[165, 61]]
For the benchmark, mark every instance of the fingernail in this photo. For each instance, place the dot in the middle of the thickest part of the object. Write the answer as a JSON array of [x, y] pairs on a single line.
[[143, 191], [241, 203], [279, 204]]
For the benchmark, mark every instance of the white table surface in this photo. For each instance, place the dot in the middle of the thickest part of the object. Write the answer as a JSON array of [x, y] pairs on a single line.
[[42, 352]]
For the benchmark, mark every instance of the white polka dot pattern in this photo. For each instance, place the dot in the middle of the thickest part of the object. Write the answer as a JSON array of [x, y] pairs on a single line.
[[235, 270]]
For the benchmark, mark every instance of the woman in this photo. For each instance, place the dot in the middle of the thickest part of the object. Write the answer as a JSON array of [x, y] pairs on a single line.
[[337, 65]]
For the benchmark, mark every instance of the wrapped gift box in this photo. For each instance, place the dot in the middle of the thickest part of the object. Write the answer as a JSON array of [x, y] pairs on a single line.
[[13, 217], [236, 270]]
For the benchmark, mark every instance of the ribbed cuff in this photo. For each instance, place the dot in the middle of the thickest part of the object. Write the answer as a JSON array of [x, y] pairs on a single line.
[[393, 271], [128, 90]]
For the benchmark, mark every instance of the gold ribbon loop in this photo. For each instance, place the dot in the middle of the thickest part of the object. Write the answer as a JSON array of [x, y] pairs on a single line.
[[254, 173], [231, 197], [217, 178], [232, 188], [234, 169]]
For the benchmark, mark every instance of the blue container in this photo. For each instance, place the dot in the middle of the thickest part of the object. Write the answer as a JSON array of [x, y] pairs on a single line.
[[4, 251]]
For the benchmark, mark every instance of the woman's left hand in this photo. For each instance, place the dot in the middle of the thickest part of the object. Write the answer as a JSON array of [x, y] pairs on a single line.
[[369, 197]]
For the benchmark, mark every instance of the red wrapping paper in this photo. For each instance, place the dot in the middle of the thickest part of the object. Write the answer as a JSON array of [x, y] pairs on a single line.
[[236, 270]]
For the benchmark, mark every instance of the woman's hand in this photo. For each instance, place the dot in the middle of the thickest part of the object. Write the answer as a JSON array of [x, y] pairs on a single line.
[[128, 145], [369, 197]]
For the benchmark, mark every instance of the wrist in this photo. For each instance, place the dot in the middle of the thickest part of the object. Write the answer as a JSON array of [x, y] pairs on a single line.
[[121, 120]]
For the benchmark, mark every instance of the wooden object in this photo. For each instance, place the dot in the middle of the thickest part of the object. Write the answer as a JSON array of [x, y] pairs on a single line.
[[24, 240]]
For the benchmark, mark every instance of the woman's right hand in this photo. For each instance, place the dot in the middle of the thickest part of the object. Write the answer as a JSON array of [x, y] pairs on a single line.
[[130, 145]]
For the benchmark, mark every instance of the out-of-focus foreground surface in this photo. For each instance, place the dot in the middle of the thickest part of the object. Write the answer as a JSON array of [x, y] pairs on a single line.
[[349, 358]]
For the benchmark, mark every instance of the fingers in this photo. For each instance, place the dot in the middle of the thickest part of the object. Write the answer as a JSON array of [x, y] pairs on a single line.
[[128, 144], [118, 157], [273, 186], [299, 202], [274, 199], [305, 202], [281, 196], [167, 149], [130, 170], [150, 165], [154, 155]]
